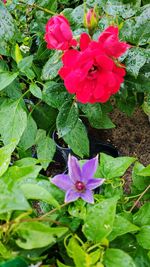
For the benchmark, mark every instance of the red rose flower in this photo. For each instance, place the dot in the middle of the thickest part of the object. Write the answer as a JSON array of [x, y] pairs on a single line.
[[4, 1], [90, 73], [58, 34], [111, 43]]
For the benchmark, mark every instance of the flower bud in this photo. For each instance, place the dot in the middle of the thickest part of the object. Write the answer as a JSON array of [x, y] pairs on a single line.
[[91, 20], [58, 33]]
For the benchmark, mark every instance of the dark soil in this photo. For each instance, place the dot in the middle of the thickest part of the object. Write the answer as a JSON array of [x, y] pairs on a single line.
[[131, 135], [131, 138]]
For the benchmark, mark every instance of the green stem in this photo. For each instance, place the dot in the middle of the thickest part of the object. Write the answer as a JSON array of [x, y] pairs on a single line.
[[22, 96], [39, 102], [137, 201], [54, 210], [44, 9], [40, 8], [11, 224]]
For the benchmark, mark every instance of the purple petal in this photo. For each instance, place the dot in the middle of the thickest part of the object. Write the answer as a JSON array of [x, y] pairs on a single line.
[[89, 168], [62, 181], [87, 196], [71, 195], [93, 183], [74, 169]]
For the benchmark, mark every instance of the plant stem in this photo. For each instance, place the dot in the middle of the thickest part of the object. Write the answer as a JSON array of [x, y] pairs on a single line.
[[44, 9], [141, 195], [39, 7], [41, 218], [54, 210]]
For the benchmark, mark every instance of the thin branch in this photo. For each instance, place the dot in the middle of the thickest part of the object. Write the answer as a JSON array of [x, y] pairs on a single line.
[[137, 201]]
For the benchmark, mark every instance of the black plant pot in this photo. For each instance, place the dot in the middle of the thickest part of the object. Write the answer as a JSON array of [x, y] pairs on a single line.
[[96, 147], [62, 150]]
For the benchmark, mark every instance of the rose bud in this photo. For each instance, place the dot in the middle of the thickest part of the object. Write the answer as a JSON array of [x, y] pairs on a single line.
[[91, 20], [58, 34]]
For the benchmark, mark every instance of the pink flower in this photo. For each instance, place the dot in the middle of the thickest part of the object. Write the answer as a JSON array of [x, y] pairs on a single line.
[[90, 73], [111, 43], [4, 1], [58, 34]]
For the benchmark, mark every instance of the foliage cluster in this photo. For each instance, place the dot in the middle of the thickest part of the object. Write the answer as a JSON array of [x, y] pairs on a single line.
[[34, 102]]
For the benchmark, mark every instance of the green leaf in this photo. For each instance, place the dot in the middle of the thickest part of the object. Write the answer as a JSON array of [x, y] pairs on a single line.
[[16, 262], [145, 171], [25, 63], [16, 173], [139, 84], [143, 237], [93, 113], [97, 117], [13, 121], [122, 226], [13, 90], [141, 258], [100, 217], [11, 197], [85, 259], [80, 146], [52, 66], [117, 258], [67, 118], [127, 104], [35, 90], [5, 157], [26, 162], [140, 181], [121, 8], [61, 264], [142, 217], [35, 191], [113, 167], [76, 250], [77, 16], [7, 28], [55, 94], [137, 30], [45, 148], [38, 235], [135, 60], [6, 78], [29, 134], [45, 116], [5, 251]]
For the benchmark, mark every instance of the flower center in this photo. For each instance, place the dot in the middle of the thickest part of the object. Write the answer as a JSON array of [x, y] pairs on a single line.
[[92, 73], [80, 186]]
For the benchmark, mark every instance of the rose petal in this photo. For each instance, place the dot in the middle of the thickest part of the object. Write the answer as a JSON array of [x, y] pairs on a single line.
[[62, 181], [105, 62], [70, 57], [71, 195], [66, 31], [84, 41]]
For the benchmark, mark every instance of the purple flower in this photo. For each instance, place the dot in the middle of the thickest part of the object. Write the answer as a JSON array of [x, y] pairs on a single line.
[[80, 181]]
